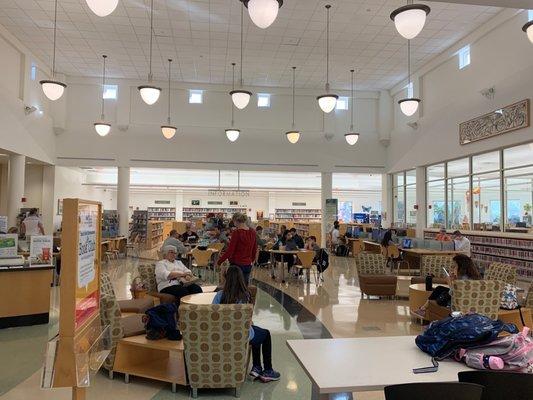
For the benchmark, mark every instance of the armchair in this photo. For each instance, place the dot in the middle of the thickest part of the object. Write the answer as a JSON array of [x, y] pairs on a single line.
[[433, 265], [501, 272], [373, 277]]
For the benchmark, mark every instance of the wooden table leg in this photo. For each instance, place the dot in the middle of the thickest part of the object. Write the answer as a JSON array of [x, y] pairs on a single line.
[[78, 393]]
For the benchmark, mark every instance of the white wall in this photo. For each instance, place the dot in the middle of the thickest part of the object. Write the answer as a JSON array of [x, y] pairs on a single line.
[[33, 186], [3, 189]]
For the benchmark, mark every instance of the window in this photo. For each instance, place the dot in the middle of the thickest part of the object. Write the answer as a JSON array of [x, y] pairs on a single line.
[[486, 200], [436, 200], [33, 72], [410, 90], [343, 103], [196, 96], [110, 92], [263, 100], [458, 168], [530, 15], [404, 198], [464, 57]]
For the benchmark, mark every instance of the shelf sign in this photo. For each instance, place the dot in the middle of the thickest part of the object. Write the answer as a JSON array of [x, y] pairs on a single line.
[[332, 207], [162, 201], [299, 204], [195, 202], [3, 224]]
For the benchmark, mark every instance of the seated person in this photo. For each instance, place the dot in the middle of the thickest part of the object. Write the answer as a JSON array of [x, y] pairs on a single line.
[[218, 236], [173, 239], [235, 291], [461, 243], [297, 238], [189, 235], [464, 269], [259, 237], [170, 275], [311, 244], [442, 236], [387, 239]]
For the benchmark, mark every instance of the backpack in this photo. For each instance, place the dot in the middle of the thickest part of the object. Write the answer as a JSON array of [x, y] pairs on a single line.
[[322, 260], [160, 322], [341, 251], [443, 338], [509, 300], [511, 353]]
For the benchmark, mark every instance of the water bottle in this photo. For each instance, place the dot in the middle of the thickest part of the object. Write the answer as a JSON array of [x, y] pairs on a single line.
[[429, 283]]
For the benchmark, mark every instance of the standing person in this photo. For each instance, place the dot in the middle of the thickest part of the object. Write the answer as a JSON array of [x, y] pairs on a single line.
[[461, 243], [242, 246], [173, 239], [297, 238], [32, 224], [235, 291]]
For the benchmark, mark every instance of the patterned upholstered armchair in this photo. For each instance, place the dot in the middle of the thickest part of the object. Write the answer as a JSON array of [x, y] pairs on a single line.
[[215, 338], [373, 277], [482, 297], [433, 265], [501, 272], [147, 275]]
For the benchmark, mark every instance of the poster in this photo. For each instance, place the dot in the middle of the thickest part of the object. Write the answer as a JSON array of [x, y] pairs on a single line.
[[8, 245], [3, 224], [87, 295], [331, 213], [41, 248]]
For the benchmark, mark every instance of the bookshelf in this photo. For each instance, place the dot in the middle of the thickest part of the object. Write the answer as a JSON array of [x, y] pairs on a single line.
[[190, 213], [162, 213], [508, 248], [154, 235], [306, 229], [110, 224], [139, 224], [298, 214]]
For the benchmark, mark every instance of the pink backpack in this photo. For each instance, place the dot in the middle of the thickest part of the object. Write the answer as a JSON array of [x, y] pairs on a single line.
[[511, 353]]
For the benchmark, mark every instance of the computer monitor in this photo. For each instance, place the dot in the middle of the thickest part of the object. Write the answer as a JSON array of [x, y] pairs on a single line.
[[361, 218], [521, 225], [407, 243], [356, 231], [349, 231], [376, 237]]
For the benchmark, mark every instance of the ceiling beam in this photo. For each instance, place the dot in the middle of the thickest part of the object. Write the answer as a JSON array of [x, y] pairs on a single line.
[[527, 4]]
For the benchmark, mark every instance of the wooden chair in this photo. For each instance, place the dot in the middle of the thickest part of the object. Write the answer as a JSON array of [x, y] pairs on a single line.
[[202, 260], [306, 263], [217, 246], [357, 247]]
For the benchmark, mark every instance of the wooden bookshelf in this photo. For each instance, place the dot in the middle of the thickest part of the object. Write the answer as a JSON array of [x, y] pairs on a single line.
[[298, 214], [508, 248], [110, 227], [139, 224], [154, 236], [306, 229]]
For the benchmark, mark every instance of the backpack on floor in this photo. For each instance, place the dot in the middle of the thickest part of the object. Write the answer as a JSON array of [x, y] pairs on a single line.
[[443, 338], [322, 260], [160, 322]]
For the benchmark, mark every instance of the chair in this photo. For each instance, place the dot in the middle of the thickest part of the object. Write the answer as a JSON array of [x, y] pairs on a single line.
[[529, 298], [217, 246], [434, 391], [147, 275], [501, 385], [306, 262], [433, 265], [215, 338], [138, 306], [501, 272], [357, 247], [373, 278], [482, 297], [203, 260]]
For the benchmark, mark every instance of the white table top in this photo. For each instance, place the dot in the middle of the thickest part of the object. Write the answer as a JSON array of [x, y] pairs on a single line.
[[367, 364], [199, 298]]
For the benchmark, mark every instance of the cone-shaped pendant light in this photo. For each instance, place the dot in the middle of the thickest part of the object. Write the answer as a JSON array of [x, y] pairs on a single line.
[[328, 101], [168, 130], [101, 127], [263, 12], [52, 88], [352, 137], [233, 133], [293, 136], [102, 8], [241, 97], [150, 93], [410, 104], [410, 19]]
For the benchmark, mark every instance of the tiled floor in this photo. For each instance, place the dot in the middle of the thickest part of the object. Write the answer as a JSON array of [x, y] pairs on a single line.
[[291, 310]]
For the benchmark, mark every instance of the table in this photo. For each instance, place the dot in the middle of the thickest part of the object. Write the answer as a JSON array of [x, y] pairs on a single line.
[[372, 247], [418, 296], [402, 289], [199, 298], [366, 364], [283, 253]]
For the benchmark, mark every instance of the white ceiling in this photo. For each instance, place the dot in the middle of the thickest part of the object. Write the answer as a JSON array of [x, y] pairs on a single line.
[[203, 37]]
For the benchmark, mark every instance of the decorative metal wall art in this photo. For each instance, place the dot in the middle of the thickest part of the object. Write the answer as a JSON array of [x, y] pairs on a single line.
[[507, 119]]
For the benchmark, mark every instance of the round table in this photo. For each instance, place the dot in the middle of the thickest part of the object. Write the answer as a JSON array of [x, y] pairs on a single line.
[[199, 298], [418, 295]]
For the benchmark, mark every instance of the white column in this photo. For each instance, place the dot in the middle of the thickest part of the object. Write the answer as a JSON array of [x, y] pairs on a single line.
[[179, 205], [15, 191], [48, 200], [326, 193], [123, 200], [386, 201], [421, 214]]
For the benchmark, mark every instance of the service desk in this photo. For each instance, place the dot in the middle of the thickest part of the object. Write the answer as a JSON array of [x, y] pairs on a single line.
[[25, 295]]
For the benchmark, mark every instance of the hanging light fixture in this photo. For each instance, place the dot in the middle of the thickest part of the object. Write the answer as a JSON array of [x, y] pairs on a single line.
[[263, 12], [149, 93], [410, 19], [53, 89], [101, 127], [102, 8], [528, 29], [409, 105], [293, 135], [168, 130], [352, 137], [240, 97], [233, 133], [328, 101]]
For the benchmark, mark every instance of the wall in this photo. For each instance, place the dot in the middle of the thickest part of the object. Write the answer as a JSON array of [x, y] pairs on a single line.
[[3, 189], [502, 57], [33, 186]]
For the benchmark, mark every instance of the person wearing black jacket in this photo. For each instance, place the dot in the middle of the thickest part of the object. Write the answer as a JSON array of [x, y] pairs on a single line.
[[297, 238]]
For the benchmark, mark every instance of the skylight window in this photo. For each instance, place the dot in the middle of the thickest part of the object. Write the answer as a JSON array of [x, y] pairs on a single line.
[[530, 15], [342, 103], [196, 96], [263, 100], [33, 72], [410, 90], [110, 92], [464, 57]]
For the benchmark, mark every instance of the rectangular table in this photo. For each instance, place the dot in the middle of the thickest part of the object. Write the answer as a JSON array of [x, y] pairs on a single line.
[[366, 364]]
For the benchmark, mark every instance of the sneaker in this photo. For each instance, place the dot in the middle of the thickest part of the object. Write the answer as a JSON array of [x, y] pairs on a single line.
[[256, 372], [270, 375]]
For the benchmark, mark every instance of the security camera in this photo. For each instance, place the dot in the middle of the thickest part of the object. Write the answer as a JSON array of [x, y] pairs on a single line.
[[29, 109]]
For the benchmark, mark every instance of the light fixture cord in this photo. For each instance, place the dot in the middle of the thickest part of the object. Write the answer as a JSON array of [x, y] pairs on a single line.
[[169, 64], [293, 92], [233, 84], [103, 88], [353, 100], [150, 76], [55, 35], [242, 38], [327, 47], [409, 62]]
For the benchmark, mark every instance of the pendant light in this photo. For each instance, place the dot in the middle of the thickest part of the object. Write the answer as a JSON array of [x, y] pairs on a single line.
[[168, 130], [328, 101], [263, 12], [101, 127], [293, 135], [352, 137], [409, 105], [410, 19], [240, 97], [528, 29], [149, 93], [53, 89], [233, 133], [102, 8]]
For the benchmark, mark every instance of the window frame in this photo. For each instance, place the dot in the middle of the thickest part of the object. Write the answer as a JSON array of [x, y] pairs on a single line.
[[193, 92], [263, 96]]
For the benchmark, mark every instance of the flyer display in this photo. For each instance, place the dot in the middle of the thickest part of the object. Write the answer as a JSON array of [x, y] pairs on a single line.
[[41, 249], [332, 207], [8, 245], [3, 224]]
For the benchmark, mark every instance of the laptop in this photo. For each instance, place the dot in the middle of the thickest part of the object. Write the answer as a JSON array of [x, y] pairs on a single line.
[[407, 243]]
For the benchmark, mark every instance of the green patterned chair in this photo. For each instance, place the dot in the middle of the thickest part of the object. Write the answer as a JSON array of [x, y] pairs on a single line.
[[216, 344], [482, 297], [501, 272], [374, 280], [433, 265]]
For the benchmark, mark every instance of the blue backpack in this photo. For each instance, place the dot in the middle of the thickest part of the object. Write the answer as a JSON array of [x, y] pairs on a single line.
[[160, 322], [444, 337]]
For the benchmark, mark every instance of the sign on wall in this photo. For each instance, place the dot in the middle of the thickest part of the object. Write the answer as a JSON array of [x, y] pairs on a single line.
[[332, 207], [195, 202]]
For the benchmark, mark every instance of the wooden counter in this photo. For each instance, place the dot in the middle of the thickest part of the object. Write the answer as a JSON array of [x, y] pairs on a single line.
[[25, 296]]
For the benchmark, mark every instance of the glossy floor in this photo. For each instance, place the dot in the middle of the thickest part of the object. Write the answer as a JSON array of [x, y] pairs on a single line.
[[291, 310]]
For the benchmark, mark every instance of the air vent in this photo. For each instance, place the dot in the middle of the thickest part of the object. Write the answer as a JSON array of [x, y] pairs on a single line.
[[290, 41]]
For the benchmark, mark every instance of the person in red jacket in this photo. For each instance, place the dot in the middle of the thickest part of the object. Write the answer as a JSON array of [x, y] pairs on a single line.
[[242, 246]]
